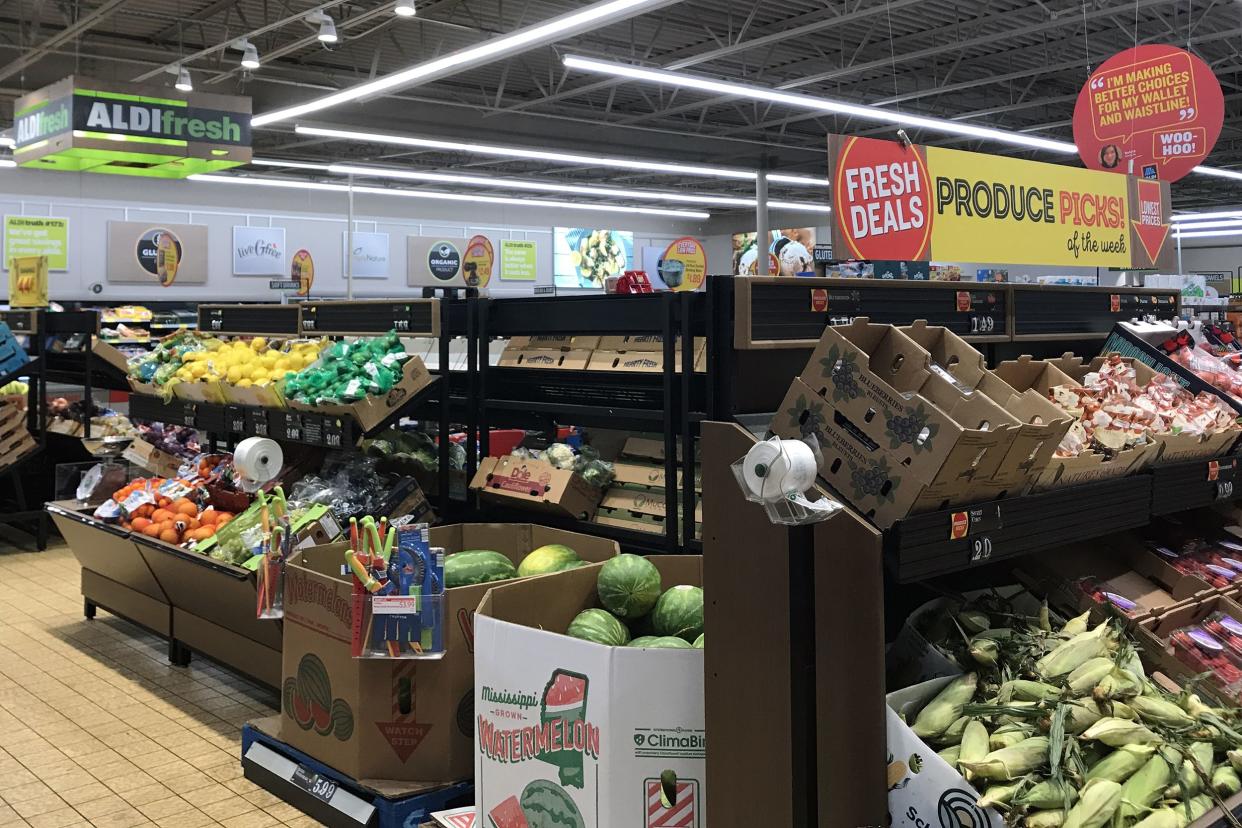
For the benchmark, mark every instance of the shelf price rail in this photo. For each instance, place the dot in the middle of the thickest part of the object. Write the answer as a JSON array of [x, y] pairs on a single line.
[[669, 401]]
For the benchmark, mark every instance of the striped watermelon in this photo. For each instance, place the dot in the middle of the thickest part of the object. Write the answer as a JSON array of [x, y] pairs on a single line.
[[548, 805], [679, 612], [552, 557], [628, 586], [698, 642], [477, 566], [599, 626], [666, 642]]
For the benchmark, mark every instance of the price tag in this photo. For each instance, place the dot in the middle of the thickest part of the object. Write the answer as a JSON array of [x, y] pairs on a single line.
[[819, 300], [1224, 489], [188, 412], [333, 433], [320, 787], [982, 324], [289, 426], [312, 429], [235, 417], [256, 422], [981, 549], [1114, 302], [308, 324], [980, 518]]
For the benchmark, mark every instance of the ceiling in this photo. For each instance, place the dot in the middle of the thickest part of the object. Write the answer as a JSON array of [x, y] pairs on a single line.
[[1013, 64]]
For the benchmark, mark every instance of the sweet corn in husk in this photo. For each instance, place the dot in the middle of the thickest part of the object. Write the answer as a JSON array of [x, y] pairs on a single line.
[[985, 651], [946, 708], [1075, 626], [1225, 781], [1188, 778], [1073, 653], [950, 754], [997, 795], [1198, 806], [1097, 802], [1083, 713], [1195, 706], [1163, 818], [1158, 711], [1143, 789], [974, 621], [1117, 684], [1024, 690], [1047, 794], [1122, 763], [974, 744], [1009, 735], [1054, 818], [1235, 759], [1118, 732], [1121, 710], [1087, 675], [1011, 762], [953, 733]]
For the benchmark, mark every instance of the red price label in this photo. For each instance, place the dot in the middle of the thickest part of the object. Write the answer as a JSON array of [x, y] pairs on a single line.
[[819, 300]]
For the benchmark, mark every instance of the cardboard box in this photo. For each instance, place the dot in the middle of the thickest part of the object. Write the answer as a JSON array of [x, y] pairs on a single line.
[[156, 461], [211, 391], [1153, 637], [864, 472], [545, 358], [1041, 376], [581, 721], [921, 785], [645, 448], [649, 502], [408, 720], [644, 342], [553, 343], [109, 354], [877, 383], [534, 484], [640, 361], [262, 396], [647, 475], [372, 410]]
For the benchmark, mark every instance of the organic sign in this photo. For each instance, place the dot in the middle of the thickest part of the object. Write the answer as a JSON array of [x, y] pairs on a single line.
[[444, 260], [919, 203], [1153, 111], [37, 236]]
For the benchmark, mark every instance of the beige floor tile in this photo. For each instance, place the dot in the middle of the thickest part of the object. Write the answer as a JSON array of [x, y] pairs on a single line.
[[254, 819], [40, 805], [21, 793], [146, 794], [76, 794], [284, 811], [127, 818], [205, 796], [226, 808], [60, 818], [104, 805], [261, 798], [303, 821], [167, 807], [190, 819]]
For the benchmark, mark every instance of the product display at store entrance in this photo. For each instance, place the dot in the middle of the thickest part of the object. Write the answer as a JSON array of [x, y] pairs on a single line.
[[621, 414]]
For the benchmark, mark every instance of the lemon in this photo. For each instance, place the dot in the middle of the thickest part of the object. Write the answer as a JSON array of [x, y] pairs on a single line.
[[259, 343], [235, 374], [244, 383]]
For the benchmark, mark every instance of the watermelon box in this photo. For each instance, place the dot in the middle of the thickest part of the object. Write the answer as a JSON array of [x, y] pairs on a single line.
[[379, 719], [578, 734]]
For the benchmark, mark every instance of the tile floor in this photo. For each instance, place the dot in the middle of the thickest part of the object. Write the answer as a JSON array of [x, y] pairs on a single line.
[[97, 729]]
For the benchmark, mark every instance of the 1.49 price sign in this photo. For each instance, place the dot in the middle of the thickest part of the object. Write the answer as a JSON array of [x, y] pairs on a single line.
[[1154, 111]]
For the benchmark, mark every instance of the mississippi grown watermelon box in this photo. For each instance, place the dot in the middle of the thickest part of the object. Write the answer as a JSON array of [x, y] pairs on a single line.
[[577, 734], [401, 719]]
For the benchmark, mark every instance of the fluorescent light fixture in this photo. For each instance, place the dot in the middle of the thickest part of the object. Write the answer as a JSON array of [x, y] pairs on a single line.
[[576, 189], [488, 51], [530, 154], [1202, 216], [1208, 225], [184, 83], [404, 8], [437, 196], [293, 165], [250, 54], [799, 101], [6, 140], [798, 180], [1219, 173], [327, 26], [7, 162], [1208, 233]]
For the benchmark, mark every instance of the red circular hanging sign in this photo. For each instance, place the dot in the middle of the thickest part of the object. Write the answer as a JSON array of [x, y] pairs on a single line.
[[881, 200], [1153, 111]]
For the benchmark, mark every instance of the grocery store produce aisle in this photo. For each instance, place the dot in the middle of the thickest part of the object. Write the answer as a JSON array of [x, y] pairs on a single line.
[[97, 729]]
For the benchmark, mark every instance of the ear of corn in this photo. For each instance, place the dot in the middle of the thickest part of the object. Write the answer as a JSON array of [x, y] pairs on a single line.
[[1163, 818], [1097, 802], [984, 651], [1121, 710], [1117, 684], [974, 621], [974, 744], [1009, 735], [1161, 712], [1082, 714], [946, 708], [1195, 706], [950, 754], [1084, 677], [1011, 762], [953, 733], [1225, 781], [1047, 794], [1075, 626], [997, 795], [1054, 818], [1073, 653], [1144, 788], [1198, 806], [1123, 762], [1118, 732], [1025, 690]]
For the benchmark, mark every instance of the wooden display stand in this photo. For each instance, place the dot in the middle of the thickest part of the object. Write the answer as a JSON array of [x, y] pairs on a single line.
[[795, 684]]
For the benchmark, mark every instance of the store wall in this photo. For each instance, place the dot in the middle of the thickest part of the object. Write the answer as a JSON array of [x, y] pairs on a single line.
[[1214, 259], [312, 220]]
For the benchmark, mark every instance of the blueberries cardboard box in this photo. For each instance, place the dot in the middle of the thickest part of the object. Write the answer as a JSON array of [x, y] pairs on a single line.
[[574, 733], [405, 720]]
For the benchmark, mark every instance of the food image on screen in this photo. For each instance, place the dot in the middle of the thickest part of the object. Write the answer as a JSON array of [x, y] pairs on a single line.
[[586, 257]]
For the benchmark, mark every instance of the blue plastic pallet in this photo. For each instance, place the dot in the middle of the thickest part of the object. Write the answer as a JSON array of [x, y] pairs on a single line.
[[331, 797]]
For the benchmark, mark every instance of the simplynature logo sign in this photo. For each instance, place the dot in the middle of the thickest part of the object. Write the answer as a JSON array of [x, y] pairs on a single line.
[[893, 201]]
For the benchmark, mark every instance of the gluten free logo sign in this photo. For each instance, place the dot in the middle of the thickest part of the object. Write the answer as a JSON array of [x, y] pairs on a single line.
[[159, 253], [882, 193]]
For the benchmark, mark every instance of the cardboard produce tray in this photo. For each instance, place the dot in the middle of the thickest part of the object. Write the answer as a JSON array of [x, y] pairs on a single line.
[[937, 543]]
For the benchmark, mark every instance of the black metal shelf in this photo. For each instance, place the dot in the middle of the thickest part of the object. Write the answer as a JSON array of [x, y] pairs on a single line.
[[1046, 311], [1177, 487], [328, 431], [68, 368]]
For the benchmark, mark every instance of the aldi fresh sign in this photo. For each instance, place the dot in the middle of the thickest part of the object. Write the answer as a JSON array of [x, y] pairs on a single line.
[[87, 125]]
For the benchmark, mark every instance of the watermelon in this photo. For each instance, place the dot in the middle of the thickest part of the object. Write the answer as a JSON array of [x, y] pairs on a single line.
[[642, 641], [342, 720], [599, 626], [664, 642], [547, 805], [547, 559], [508, 814], [679, 612], [477, 566], [698, 642], [628, 586]]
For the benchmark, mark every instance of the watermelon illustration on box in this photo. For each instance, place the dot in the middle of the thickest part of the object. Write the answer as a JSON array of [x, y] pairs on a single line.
[[573, 729]]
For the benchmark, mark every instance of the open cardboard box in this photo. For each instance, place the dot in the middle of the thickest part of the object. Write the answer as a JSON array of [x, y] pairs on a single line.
[[1153, 635], [547, 342], [370, 411], [647, 474], [156, 461], [572, 719], [405, 720], [535, 484], [576, 359], [879, 385], [649, 362]]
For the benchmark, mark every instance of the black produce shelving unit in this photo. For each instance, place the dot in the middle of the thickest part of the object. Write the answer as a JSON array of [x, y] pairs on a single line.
[[1178, 487], [1044, 312], [237, 422], [669, 401]]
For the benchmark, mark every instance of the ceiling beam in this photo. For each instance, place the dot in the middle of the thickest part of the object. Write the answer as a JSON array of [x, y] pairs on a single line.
[[81, 26]]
